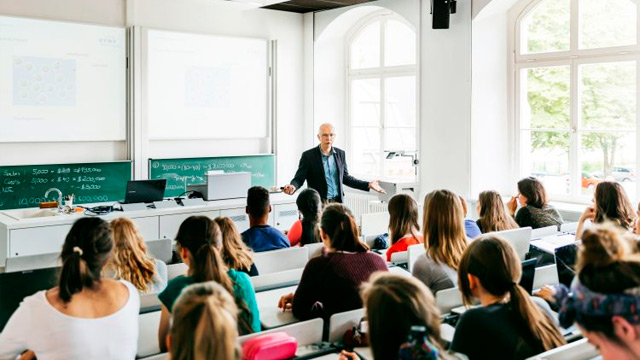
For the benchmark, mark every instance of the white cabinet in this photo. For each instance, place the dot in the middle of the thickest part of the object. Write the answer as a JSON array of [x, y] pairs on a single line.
[[37, 240], [148, 227], [238, 216], [284, 216], [169, 224]]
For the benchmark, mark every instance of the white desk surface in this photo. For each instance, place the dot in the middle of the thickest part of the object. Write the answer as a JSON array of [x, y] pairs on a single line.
[[270, 315], [364, 351]]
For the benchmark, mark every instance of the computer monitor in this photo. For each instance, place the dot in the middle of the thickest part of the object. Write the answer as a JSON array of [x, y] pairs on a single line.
[[145, 191], [15, 286], [528, 272], [565, 263]]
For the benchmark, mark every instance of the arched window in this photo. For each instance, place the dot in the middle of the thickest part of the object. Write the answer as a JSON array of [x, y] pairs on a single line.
[[382, 98], [576, 94]]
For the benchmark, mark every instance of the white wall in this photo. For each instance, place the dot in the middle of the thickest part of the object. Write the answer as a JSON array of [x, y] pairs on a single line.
[[203, 16]]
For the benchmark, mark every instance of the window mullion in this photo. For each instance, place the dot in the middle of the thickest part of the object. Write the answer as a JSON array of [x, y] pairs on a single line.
[[574, 27], [637, 117], [574, 149]]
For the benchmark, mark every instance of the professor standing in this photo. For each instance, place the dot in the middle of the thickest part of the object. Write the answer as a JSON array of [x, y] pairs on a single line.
[[324, 167]]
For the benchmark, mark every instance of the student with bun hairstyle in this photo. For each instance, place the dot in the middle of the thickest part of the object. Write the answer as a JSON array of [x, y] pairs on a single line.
[[199, 239], [604, 301], [403, 224], [535, 210], [508, 325], [203, 325], [86, 316], [444, 239], [306, 230], [330, 283], [610, 203], [234, 252], [394, 304], [492, 213], [130, 260]]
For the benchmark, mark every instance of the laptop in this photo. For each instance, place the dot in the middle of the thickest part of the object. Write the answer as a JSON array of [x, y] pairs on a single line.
[[145, 191], [15, 286], [528, 272], [565, 263]]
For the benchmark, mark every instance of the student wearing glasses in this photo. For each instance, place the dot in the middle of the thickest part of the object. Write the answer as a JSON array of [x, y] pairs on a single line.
[[324, 168]]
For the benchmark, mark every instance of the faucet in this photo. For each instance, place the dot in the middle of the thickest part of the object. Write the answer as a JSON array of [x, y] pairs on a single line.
[[59, 196]]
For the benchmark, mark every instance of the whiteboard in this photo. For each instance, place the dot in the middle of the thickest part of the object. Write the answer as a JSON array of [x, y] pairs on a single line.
[[205, 86], [61, 81]]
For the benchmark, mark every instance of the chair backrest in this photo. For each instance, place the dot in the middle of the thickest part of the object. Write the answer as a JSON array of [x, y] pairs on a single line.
[[341, 322], [375, 223], [545, 231], [314, 249], [414, 252], [400, 257], [448, 299], [160, 249], [149, 303], [306, 332], [545, 275], [276, 280], [32, 262], [519, 239], [175, 270], [148, 334], [577, 350], [274, 261], [569, 227]]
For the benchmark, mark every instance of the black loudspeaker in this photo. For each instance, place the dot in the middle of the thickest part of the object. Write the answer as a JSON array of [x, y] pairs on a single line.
[[441, 10]]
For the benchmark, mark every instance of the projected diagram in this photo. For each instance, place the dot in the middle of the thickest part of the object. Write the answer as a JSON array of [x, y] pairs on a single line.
[[40, 81], [208, 87]]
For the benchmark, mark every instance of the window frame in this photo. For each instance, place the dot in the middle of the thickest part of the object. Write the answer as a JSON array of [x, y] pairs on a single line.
[[574, 58], [381, 73]]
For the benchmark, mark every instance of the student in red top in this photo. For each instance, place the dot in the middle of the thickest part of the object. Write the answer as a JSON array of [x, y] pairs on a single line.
[[403, 224]]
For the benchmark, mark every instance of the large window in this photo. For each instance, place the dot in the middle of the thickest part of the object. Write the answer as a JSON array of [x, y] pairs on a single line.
[[576, 83], [382, 93]]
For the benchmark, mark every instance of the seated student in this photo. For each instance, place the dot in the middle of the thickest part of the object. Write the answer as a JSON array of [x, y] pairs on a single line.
[[234, 252], [492, 213], [130, 261], [306, 231], [203, 324], [610, 203], [330, 282], [85, 316], [260, 236], [394, 304], [534, 208], [198, 240], [444, 239], [605, 299], [508, 325], [403, 224], [471, 229]]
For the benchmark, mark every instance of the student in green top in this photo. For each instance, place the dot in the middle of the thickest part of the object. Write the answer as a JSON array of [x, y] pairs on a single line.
[[199, 239]]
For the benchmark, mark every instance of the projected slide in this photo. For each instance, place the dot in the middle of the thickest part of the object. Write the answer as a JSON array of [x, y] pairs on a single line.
[[61, 81], [205, 86]]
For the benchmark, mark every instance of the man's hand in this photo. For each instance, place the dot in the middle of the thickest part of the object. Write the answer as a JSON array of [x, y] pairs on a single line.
[[375, 186], [289, 189]]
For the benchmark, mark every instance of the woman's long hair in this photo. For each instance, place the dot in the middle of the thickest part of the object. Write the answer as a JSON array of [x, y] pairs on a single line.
[[338, 223], [129, 260], [496, 265], [310, 205], [443, 227], [613, 204], [493, 216], [403, 217], [534, 191], [234, 252]]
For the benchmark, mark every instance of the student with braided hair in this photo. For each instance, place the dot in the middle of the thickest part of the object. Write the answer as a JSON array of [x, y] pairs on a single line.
[[199, 239]]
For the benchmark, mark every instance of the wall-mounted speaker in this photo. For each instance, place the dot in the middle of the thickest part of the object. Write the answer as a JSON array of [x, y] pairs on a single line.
[[441, 11]]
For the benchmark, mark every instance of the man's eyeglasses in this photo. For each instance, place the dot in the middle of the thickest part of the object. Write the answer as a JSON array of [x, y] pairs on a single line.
[[328, 135]]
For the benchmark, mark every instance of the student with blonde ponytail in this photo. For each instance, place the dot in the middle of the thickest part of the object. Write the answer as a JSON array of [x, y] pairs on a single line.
[[85, 316], [330, 283], [199, 239], [203, 325], [508, 325]]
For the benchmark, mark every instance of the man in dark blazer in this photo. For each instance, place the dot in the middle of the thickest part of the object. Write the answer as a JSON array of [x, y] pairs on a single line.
[[324, 167]]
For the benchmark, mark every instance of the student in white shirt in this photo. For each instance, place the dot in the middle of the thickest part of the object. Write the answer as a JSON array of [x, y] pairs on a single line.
[[85, 316]]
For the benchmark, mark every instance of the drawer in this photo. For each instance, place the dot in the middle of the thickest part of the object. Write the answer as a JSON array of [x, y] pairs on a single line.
[[169, 224], [284, 216], [238, 216], [37, 240]]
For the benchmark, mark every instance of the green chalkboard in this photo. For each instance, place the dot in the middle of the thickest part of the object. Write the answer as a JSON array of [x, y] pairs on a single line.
[[24, 186], [190, 171]]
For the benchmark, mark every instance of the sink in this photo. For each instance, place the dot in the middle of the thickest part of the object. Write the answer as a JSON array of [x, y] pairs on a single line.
[[31, 213]]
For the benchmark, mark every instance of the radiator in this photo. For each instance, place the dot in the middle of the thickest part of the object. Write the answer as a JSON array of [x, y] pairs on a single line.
[[360, 203]]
